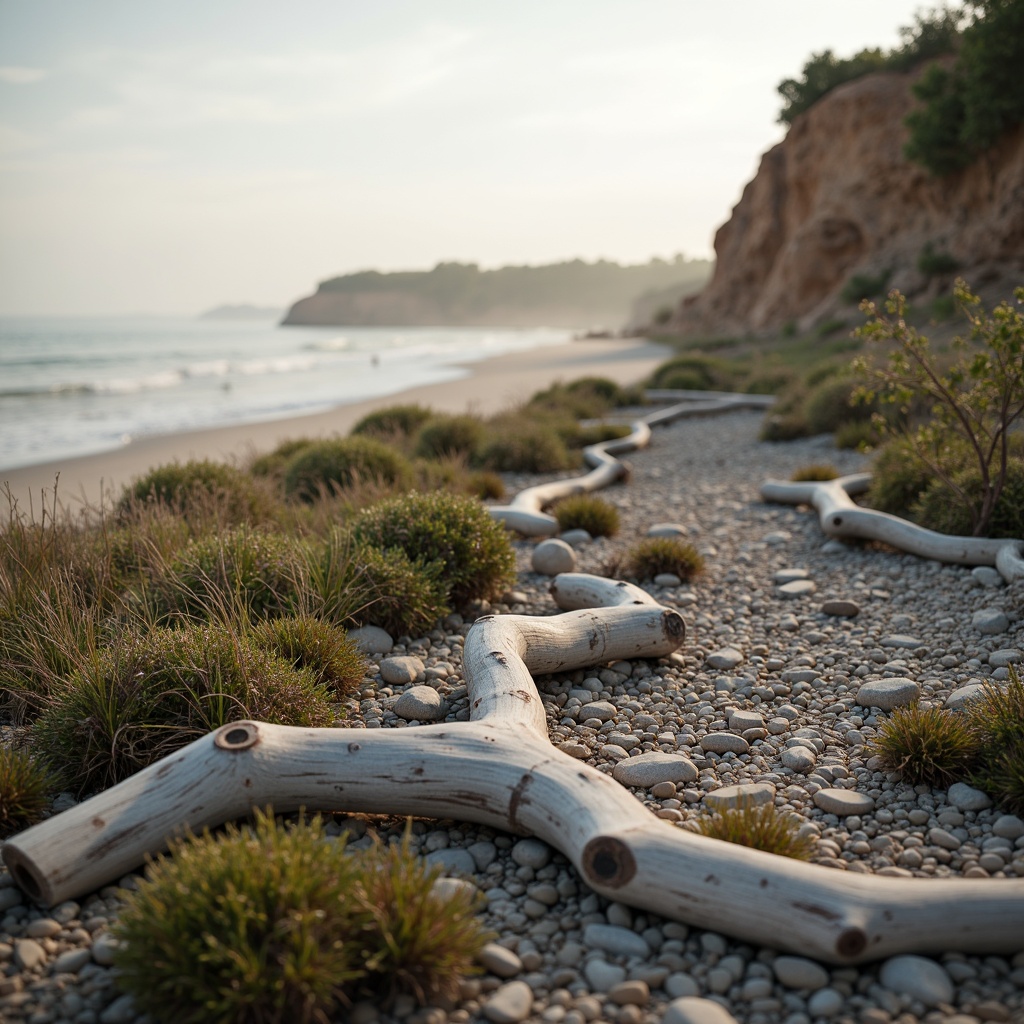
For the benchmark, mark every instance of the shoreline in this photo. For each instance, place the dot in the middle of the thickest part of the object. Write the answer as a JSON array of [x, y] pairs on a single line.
[[488, 386]]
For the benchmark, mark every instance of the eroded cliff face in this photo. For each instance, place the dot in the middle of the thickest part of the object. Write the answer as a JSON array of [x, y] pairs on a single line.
[[836, 198]]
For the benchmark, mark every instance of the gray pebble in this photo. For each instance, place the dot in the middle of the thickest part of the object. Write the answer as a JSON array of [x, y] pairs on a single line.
[[990, 621], [552, 556], [919, 978], [531, 853], [727, 658], [843, 802], [615, 940], [575, 538], [371, 639], [693, 1010], [401, 670], [667, 530], [841, 609], [755, 794], [1005, 657], [649, 769], [888, 693], [724, 743], [987, 576], [602, 976], [967, 798], [453, 861], [421, 704], [800, 973], [799, 759], [796, 589], [499, 960]]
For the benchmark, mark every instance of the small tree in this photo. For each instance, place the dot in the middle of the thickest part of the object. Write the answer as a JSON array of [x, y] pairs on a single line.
[[974, 403]]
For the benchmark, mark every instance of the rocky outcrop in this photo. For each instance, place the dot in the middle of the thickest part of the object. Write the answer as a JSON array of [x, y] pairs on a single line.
[[837, 198]]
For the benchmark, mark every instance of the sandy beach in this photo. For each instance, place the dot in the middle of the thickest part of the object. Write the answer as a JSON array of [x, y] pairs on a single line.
[[488, 387]]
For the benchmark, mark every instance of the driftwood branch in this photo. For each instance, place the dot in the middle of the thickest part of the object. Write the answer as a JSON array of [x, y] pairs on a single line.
[[840, 516], [499, 769], [525, 514]]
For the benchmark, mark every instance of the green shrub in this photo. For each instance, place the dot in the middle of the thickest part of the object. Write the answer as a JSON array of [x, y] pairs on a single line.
[[865, 286], [518, 446], [486, 485], [815, 471], [898, 479], [927, 745], [152, 693], [404, 596], [338, 463], [598, 433], [198, 486], [244, 568], [273, 463], [931, 261], [320, 648], [769, 381], [653, 556], [598, 517], [699, 373], [858, 435], [781, 427], [939, 508], [585, 398], [25, 787], [475, 556], [393, 421], [447, 437], [760, 827], [998, 717], [830, 405], [275, 925], [828, 327]]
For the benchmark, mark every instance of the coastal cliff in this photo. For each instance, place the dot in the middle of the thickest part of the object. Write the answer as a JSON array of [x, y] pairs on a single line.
[[837, 198]]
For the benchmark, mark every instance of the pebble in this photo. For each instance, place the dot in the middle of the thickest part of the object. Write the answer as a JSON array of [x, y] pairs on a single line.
[[959, 698], [840, 608], [667, 579], [646, 770], [602, 976], [616, 940], [800, 759], [72, 961], [826, 1002], [987, 576], [724, 743], [790, 575], [452, 861], [796, 589], [967, 798], [575, 538], [103, 949], [552, 556], [1005, 657], [531, 853], [918, 977], [422, 704], [755, 794], [401, 670], [990, 621], [667, 530], [28, 954], [499, 960], [602, 710], [371, 640], [901, 640], [693, 1010], [800, 973], [630, 993], [727, 658], [120, 1011], [888, 693], [843, 802], [511, 1003]]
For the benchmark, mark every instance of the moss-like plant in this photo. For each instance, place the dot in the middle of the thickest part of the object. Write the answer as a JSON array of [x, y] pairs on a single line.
[[998, 717], [759, 826], [784, 427], [248, 569], [927, 745], [277, 925], [402, 595], [598, 517], [26, 783], [197, 486], [653, 556], [321, 648], [393, 421], [337, 463], [150, 693], [272, 463], [814, 472], [446, 437], [937, 508], [473, 550], [485, 484], [518, 445]]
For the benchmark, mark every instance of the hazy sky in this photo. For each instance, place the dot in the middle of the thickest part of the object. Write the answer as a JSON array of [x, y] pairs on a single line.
[[169, 157]]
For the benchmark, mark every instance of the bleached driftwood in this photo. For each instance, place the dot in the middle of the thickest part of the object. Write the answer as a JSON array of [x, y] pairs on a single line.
[[840, 516], [525, 514], [499, 769]]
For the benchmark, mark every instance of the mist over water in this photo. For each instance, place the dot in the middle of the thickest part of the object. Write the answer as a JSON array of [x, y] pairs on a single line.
[[79, 386]]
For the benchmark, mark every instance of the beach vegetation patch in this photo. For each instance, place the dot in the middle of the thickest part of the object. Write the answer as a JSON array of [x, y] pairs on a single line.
[[815, 471], [758, 826], [700, 373], [517, 444], [26, 786], [585, 398], [394, 423], [276, 924], [598, 517], [929, 746], [654, 556], [998, 718], [326, 467], [272, 463], [450, 436], [486, 485], [152, 692], [320, 648], [473, 550]]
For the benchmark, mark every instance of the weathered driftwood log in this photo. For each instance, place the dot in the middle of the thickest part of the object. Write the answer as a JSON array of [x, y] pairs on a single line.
[[840, 516], [499, 769], [525, 514]]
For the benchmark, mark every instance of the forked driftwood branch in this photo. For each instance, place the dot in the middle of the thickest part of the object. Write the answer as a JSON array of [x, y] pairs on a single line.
[[525, 514], [499, 769], [840, 516]]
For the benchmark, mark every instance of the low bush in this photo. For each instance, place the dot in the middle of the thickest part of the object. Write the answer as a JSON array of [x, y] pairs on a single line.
[[403, 595], [830, 405], [26, 784], [278, 925], [448, 437], [858, 435], [597, 433], [515, 445], [198, 487], [932, 262], [760, 827], [865, 286], [926, 745], [938, 507], [393, 422], [598, 517], [783, 427], [816, 471], [656, 555], [272, 463], [898, 479], [998, 718], [474, 552], [321, 648], [152, 693], [699, 373], [486, 485], [324, 467]]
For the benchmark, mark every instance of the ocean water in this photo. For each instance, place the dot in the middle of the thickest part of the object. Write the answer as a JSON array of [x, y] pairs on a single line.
[[80, 386]]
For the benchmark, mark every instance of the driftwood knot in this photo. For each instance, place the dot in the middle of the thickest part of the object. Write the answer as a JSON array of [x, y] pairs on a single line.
[[608, 861], [237, 736]]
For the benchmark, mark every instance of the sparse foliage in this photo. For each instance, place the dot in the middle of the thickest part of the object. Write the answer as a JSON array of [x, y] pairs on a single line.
[[588, 512], [25, 787], [759, 826], [927, 745], [653, 556]]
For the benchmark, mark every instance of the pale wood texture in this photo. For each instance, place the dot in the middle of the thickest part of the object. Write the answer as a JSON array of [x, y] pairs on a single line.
[[841, 517], [525, 513], [499, 769]]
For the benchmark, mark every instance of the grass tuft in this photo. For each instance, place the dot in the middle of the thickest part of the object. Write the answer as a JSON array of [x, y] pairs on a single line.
[[321, 648], [26, 783], [656, 555], [814, 472], [598, 517], [761, 827], [927, 745]]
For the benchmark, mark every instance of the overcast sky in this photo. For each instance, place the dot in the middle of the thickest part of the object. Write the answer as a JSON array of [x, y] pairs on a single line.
[[169, 157]]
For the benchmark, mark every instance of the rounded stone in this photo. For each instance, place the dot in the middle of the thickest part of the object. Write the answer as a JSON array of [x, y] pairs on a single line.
[[724, 743], [630, 993], [799, 759], [754, 795], [727, 658], [694, 1010], [888, 693], [790, 575], [575, 538], [510, 1003], [967, 798], [919, 978], [900, 640], [990, 621], [499, 960], [602, 976], [741, 720], [614, 939], [667, 579], [646, 770], [72, 961], [1005, 657], [800, 973], [667, 530], [602, 710], [550, 557], [796, 589], [421, 704], [401, 671], [453, 861], [28, 954], [841, 609], [371, 639], [843, 802], [963, 696], [826, 1002], [531, 853]]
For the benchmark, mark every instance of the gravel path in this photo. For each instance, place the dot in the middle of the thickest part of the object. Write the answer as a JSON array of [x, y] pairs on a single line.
[[771, 671]]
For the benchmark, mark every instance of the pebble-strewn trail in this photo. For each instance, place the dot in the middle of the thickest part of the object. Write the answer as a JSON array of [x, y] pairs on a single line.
[[764, 692]]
